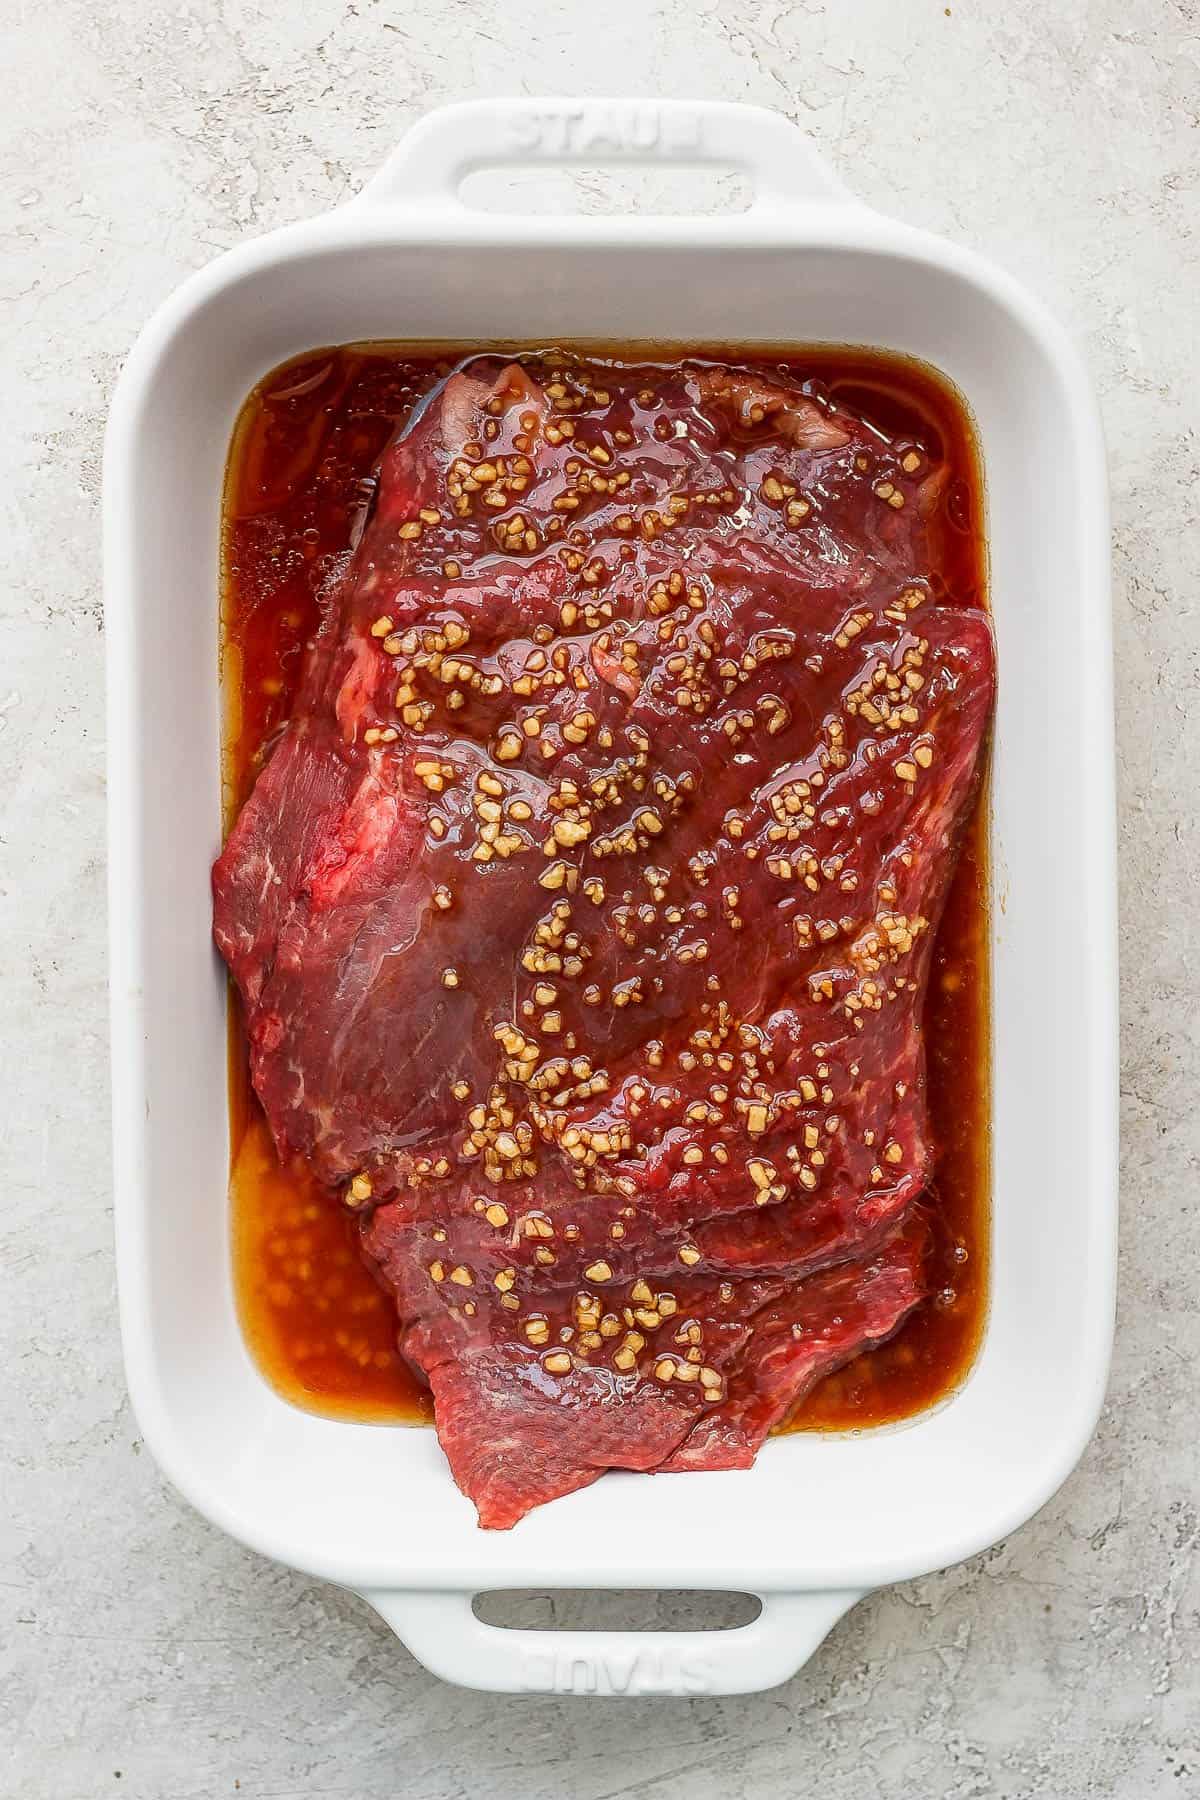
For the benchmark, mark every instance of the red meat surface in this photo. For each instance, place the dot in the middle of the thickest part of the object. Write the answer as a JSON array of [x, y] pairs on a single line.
[[583, 912]]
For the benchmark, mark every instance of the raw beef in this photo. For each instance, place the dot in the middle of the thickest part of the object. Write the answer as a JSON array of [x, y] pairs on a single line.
[[583, 912]]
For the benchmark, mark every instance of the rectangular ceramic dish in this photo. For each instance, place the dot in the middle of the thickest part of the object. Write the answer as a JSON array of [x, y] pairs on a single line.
[[819, 1520]]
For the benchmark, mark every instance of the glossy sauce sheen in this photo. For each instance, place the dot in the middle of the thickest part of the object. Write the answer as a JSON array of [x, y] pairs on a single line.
[[299, 481]]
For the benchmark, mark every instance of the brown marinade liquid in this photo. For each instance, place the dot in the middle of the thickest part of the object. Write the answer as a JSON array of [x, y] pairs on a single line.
[[298, 481]]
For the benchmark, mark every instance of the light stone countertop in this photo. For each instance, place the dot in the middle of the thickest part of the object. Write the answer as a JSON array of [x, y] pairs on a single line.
[[143, 1654]]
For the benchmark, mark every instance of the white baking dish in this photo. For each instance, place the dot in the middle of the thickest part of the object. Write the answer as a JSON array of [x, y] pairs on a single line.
[[820, 1519]]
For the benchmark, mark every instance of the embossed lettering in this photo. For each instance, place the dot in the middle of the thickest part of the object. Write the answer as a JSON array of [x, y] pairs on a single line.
[[537, 1672], [595, 129], [646, 1672]]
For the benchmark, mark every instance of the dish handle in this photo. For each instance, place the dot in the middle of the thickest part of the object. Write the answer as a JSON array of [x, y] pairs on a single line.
[[443, 1633], [426, 169]]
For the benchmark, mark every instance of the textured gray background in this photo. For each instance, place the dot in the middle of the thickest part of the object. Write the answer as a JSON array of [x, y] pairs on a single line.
[[136, 141]]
